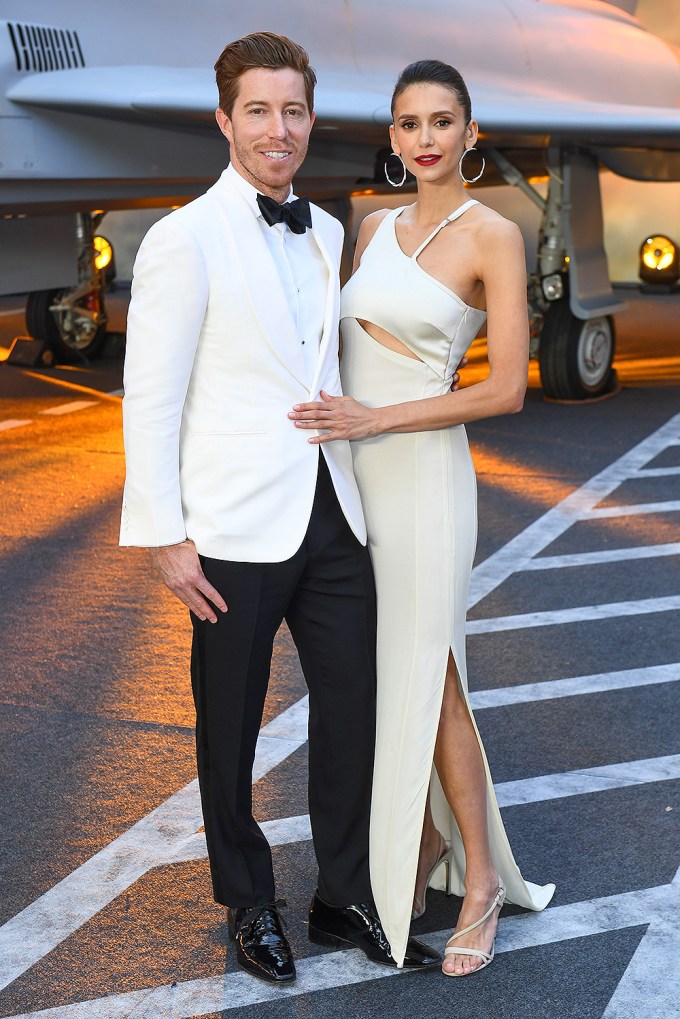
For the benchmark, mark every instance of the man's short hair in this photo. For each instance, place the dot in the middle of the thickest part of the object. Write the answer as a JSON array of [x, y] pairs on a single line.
[[260, 50]]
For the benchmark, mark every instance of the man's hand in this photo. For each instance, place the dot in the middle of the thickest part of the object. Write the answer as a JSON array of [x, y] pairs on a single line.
[[180, 568]]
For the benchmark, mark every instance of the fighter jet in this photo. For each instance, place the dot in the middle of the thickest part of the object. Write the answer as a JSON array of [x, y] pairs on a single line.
[[113, 107]]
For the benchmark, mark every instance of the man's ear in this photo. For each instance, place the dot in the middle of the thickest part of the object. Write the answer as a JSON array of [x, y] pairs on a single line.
[[224, 124]]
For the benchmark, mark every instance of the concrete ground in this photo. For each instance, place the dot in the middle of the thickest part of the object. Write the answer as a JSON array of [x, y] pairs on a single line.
[[574, 666]]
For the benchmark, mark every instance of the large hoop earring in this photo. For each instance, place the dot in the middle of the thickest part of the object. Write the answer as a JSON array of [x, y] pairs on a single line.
[[387, 176], [469, 180]]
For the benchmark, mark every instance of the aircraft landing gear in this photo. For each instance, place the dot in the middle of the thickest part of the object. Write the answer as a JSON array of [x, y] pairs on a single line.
[[575, 355], [72, 321], [570, 296]]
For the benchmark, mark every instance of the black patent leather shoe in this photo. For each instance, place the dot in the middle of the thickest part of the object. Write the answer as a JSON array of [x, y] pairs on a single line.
[[360, 927], [261, 946]]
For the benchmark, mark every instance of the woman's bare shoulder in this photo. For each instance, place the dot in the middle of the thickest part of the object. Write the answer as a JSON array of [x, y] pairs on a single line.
[[367, 230], [495, 228], [370, 224]]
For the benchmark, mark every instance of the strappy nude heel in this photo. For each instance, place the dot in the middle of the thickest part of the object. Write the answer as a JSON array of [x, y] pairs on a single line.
[[445, 857], [487, 958]]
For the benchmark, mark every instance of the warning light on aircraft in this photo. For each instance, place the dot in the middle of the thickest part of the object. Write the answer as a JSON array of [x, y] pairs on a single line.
[[659, 261], [104, 250], [553, 286]]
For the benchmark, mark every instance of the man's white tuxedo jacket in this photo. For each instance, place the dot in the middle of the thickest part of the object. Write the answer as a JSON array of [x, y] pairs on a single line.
[[213, 366]]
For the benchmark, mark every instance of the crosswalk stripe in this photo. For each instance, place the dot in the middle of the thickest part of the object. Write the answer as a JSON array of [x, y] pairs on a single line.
[[598, 682], [45, 923], [560, 785], [649, 985], [169, 834], [579, 614], [69, 408], [635, 510], [587, 780], [659, 907], [9, 423], [530, 542], [659, 472], [172, 828], [607, 555]]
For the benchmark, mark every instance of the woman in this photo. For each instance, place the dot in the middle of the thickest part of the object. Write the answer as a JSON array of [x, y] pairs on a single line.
[[426, 277]]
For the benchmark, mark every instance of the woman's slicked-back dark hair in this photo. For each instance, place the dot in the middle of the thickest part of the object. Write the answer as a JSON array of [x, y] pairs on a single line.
[[434, 72]]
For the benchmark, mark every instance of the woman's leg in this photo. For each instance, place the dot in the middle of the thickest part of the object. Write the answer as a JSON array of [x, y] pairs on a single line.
[[460, 767], [430, 849]]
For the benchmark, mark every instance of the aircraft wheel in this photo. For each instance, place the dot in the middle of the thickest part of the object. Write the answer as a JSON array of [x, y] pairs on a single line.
[[71, 329], [575, 356]]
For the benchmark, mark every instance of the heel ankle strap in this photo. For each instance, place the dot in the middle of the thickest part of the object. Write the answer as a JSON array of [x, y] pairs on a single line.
[[498, 900]]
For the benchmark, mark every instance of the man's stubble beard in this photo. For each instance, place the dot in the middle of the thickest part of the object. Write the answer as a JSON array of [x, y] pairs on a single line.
[[243, 155]]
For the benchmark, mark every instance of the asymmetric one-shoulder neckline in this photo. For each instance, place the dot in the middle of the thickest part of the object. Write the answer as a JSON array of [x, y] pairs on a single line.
[[414, 257]]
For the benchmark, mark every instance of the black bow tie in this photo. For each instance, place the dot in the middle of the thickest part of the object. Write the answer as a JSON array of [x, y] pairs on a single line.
[[295, 215]]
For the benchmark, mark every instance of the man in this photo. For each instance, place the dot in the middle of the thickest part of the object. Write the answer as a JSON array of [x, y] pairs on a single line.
[[233, 320]]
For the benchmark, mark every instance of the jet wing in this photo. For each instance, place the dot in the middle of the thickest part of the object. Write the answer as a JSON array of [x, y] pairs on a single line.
[[350, 105]]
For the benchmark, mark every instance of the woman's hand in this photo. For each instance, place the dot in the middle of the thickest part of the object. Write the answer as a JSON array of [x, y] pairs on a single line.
[[455, 380], [340, 417]]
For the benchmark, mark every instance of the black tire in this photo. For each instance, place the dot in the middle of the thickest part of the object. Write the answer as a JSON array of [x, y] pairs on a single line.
[[575, 355], [42, 324]]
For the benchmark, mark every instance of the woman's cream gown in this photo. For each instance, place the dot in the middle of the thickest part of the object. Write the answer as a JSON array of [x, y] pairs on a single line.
[[419, 496]]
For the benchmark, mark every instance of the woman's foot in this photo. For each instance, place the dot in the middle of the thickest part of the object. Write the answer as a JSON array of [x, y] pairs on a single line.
[[434, 849], [479, 912]]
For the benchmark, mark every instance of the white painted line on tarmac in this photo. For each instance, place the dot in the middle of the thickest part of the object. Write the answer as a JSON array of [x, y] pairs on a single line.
[[649, 985], [587, 780], [607, 555], [121, 863], [658, 907], [40, 927], [69, 408], [579, 614], [280, 831], [487, 576], [13, 423], [286, 830], [636, 510], [72, 387], [281, 737], [169, 834], [599, 682], [36, 930], [158, 837], [659, 472]]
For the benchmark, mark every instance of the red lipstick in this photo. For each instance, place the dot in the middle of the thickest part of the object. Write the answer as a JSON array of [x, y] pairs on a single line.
[[427, 160]]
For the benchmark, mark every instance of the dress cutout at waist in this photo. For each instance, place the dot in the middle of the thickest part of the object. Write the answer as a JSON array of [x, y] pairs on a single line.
[[391, 290]]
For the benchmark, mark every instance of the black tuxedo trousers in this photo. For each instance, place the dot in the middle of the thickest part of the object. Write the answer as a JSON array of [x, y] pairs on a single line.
[[325, 593]]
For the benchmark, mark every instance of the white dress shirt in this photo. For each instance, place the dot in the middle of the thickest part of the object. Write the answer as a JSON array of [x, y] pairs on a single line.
[[302, 271]]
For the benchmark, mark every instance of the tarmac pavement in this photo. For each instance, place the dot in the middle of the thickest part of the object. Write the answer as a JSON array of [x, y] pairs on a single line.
[[574, 665]]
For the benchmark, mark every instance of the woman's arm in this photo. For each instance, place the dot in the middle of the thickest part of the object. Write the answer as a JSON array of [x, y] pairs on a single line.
[[369, 225], [502, 270]]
